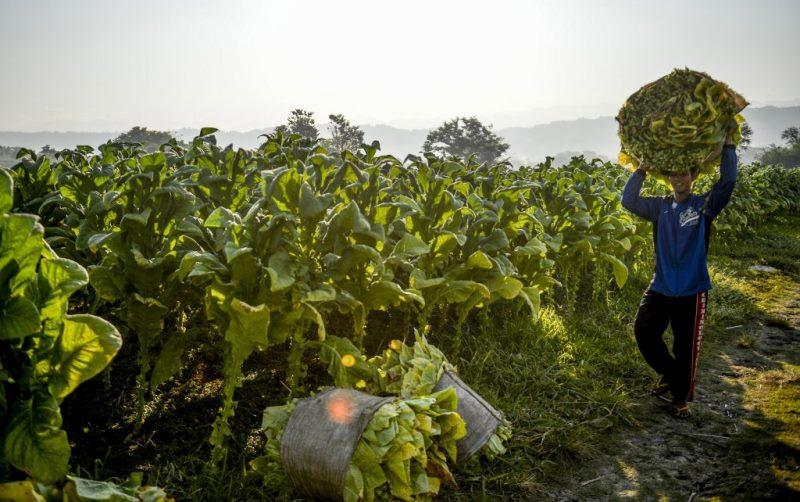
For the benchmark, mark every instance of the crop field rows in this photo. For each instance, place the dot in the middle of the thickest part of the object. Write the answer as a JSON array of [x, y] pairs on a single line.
[[294, 250]]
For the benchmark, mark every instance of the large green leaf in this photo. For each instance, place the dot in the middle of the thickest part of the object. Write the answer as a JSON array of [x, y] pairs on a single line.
[[461, 291], [140, 219], [96, 240], [417, 280], [169, 360], [383, 294], [199, 264], [145, 316], [58, 279], [507, 287], [21, 245], [281, 271], [409, 246], [18, 318], [107, 282], [348, 219], [89, 490], [620, 269], [534, 247], [446, 242], [323, 293], [248, 327], [6, 191], [354, 485], [85, 347], [495, 241], [20, 491], [353, 256], [311, 206], [533, 297], [313, 315], [478, 259], [222, 217], [34, 442]]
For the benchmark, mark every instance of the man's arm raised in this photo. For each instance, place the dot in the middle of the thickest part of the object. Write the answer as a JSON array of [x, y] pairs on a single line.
[[721, 192], [645, 207]]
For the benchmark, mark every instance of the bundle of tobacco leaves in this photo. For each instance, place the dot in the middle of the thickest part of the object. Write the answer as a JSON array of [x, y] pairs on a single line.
[[678, 123], [402, 453], [410, 371], [402, 370]]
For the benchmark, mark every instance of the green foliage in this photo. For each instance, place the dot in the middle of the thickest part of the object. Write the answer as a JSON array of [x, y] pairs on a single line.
[[786, 156], [77, 489], [150, 140], [44, 352], [294, 247], [678, 123], [747, 135], [791, 135], [409, 371], [761, 192], [300, 122], [344, 136], [463, 137]]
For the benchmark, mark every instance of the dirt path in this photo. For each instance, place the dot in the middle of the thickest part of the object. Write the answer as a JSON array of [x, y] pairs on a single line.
[[738, 445]]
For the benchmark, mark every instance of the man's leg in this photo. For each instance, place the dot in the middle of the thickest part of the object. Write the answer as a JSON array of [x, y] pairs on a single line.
[[687, 322], [652, 320]]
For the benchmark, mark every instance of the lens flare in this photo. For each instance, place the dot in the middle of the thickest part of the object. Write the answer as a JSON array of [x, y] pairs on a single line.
[[340, 408]]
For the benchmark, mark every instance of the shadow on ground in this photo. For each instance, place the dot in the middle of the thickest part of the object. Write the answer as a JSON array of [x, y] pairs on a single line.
[[743, 440]]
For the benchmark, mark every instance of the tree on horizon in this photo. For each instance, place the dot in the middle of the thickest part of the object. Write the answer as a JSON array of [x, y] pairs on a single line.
[[465, 136], [787, 156], [300, 122], [344, 136], [150, 140]]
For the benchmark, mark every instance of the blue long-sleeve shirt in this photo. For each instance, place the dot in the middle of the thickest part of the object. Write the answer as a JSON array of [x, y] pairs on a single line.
[[681, 233]]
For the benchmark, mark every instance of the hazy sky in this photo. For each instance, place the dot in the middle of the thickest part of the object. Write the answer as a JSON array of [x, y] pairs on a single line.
[[107, 65]]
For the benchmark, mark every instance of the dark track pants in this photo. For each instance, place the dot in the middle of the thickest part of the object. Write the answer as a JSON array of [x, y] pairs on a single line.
[[686, 315]]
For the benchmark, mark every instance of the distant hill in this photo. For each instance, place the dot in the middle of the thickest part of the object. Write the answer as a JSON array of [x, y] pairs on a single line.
[[396, 141], [770, 121], [600, 134], [528, 144], [245, 139], [532, 144]]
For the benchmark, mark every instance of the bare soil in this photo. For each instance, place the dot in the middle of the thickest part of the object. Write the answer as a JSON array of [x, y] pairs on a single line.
[[732, 448]]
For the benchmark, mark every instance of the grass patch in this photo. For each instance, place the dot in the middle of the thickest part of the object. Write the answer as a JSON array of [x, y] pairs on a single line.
[[746, 342], [776, 395], [565, 383]]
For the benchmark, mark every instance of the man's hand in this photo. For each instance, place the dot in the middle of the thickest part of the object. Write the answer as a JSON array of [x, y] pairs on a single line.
[[644, 167]]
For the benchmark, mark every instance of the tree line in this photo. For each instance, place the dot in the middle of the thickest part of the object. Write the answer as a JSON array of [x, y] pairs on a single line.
[[460, 137]]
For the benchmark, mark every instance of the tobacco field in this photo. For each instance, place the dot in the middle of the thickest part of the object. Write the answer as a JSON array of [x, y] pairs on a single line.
[[154, 304]]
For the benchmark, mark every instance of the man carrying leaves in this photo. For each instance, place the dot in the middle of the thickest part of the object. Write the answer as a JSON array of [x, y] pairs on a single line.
[[677, 295]]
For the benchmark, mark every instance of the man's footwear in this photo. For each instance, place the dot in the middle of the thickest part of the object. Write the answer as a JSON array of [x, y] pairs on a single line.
[[680, 410]]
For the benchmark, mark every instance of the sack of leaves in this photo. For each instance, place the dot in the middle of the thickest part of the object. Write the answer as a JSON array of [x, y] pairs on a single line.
[[416, 370], [678, 123], [343, 444]]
